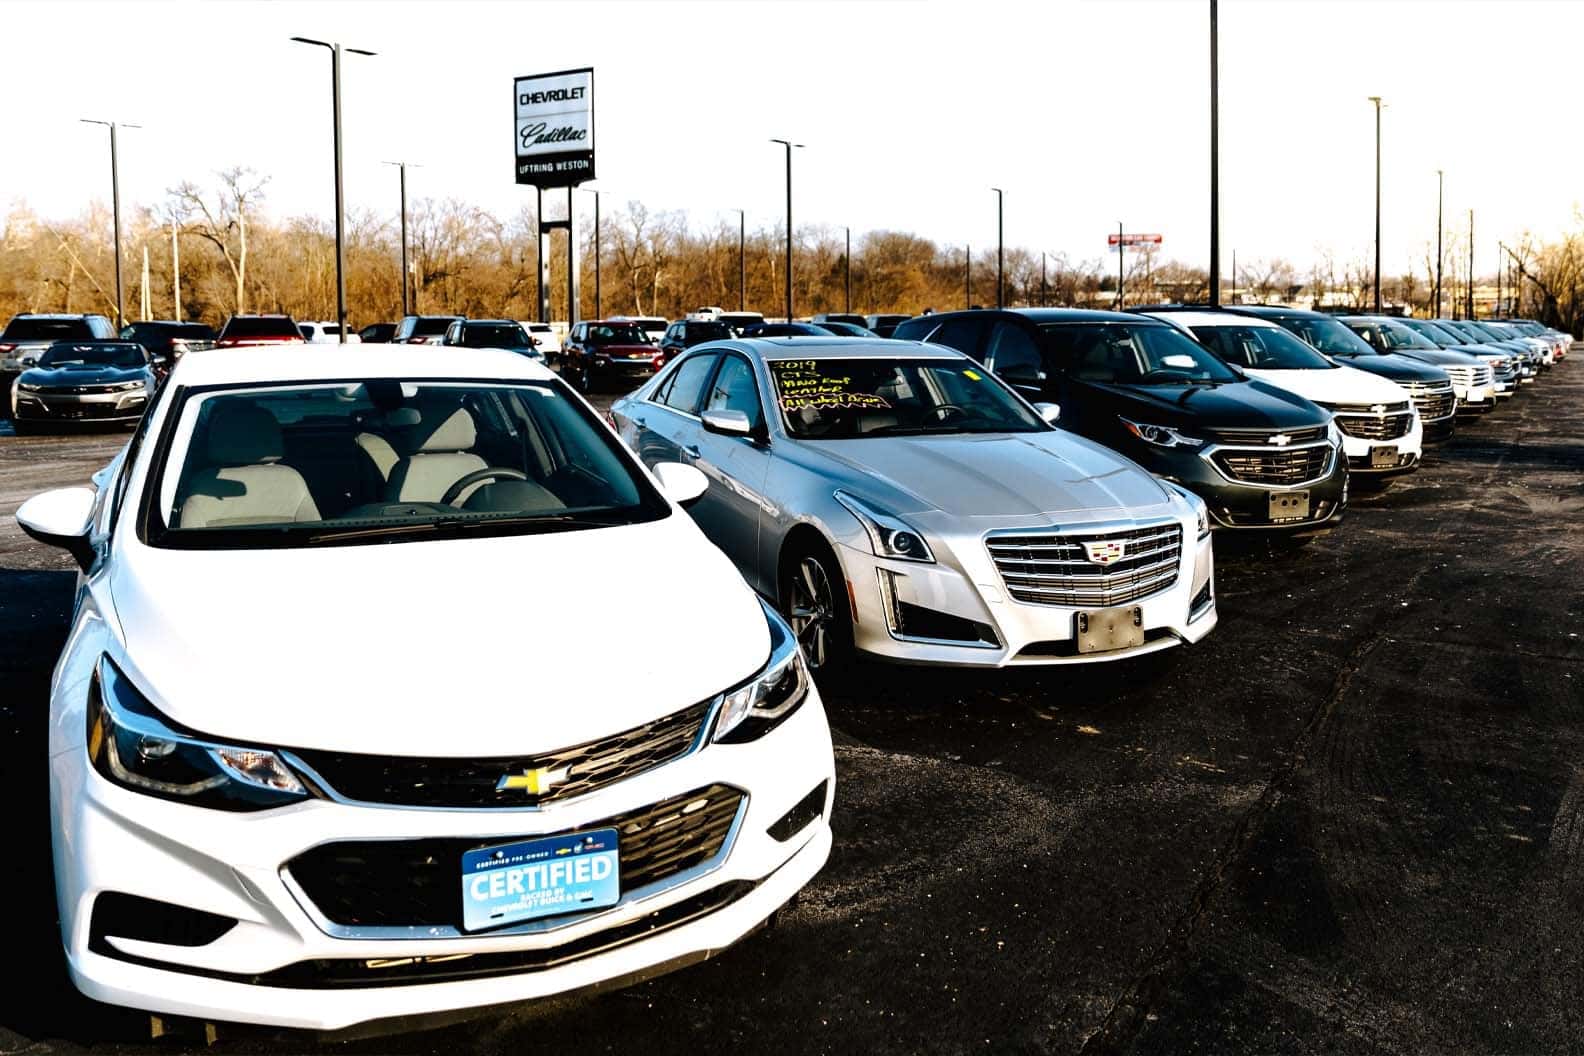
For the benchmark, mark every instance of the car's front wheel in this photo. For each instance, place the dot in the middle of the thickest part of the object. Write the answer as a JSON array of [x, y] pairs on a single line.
[[816, 607]]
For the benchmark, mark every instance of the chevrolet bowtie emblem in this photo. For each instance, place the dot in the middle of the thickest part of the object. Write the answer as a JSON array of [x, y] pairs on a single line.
[[1378, 408], [535, 782], [1280, 439]]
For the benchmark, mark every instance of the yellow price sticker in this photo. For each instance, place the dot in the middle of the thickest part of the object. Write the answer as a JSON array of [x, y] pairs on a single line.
[[972, 375]]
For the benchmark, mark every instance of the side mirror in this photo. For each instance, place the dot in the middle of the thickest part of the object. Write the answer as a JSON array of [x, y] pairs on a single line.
[[680, 483], [727, 423], [62, 518], [1048, 411]]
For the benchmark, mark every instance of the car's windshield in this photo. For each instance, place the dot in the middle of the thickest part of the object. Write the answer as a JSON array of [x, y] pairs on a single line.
[[261, 326], [1438, 335], [1260, 347], [1502, 331], [20, 329], [1132, 354], [740, 322], [383, 460], [493, 335], [1328, 336], [617, 334], [1396, 335], [107, 354], [837, 398], [1463, 331], [708, 331]]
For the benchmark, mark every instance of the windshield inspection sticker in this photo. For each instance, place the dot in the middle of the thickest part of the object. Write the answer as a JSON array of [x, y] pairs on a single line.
[[539, 878], [804, 383]]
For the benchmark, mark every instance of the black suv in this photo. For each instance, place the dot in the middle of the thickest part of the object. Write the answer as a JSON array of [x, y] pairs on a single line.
[[168, 339], [885, 323], [423, 329], [685, 333], [1259, 456], [1429, 385]]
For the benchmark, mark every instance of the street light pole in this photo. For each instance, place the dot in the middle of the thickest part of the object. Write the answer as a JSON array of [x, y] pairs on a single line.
[[1501, 262], [1000, 251], [742, 261], [115, 211], [1121, 253], [1440, 187], [1377, 101], [789, 145], [340, 209], [1044, 299], [175, 271], [599, 303], [847, 270], [1471, 266], [1215, 166], [967, 275], [405, 273]]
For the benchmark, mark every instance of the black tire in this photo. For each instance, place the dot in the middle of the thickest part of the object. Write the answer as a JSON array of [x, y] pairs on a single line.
[[814, 601], [22, 428]]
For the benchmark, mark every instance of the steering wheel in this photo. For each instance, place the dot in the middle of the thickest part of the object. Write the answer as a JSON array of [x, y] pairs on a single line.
[[487, 473], [946, 410]]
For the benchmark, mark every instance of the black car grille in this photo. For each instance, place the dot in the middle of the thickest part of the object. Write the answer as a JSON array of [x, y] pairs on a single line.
[[1391, 422], [1050, 569], [1262, 436], [415, 883], [421, 781], [1284, 466], [1434, 400]]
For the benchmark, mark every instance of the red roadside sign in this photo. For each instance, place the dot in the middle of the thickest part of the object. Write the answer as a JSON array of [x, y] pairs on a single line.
[[1133, 239]]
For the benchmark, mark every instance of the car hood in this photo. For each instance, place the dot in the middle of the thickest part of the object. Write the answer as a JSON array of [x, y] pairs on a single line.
[[1441, 357], [1235, 405], [84, 374], [1000, 475], [1338, 385], [1396, 368], [514, 645]]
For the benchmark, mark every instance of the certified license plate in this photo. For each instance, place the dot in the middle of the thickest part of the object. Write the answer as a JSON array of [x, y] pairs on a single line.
[[1289, 506], [513, 882], [1104, 630], [1383, 455]]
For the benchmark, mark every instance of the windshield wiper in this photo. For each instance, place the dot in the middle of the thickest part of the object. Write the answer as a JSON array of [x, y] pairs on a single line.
[[551, 522]]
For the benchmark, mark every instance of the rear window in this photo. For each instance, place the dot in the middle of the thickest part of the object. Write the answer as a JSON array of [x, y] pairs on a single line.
[[430, 325], [709, 331], [493, 335], [260, 326], [20, 329], [617, 334]]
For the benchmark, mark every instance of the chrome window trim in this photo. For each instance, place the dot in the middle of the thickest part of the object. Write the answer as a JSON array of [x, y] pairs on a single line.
[[549, 925], [1264, 449]]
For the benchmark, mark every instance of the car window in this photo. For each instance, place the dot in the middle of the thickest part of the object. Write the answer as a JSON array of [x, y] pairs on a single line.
[[1328, 335], [21, 329], [105, 354], [961, 334], [734, 389], [687, 383], [1260, 347], [1132, 354], [1012, 349], [840, 398]]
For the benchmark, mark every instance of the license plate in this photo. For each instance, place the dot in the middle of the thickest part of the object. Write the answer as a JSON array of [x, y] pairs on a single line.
[[513, 882], [1385, 455], [1289, 505], [1104, 630]]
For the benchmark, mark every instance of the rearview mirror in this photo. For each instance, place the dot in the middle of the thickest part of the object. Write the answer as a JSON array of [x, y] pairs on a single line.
[[680, 483], [727, 422], [62, 518], [1049, 411]]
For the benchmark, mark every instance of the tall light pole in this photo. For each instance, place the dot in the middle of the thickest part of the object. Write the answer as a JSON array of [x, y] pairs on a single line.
[[405, 275], [1440, 187], [175, 271], [1215, 166], [340, 209], [1501, 262], [1377, 101], [115, 210], [1000, 251], [1471, 266], [599, 304], [789, 145], [1121, 255], [742, 261], [847, 270], [1044, 298], [967, 276]]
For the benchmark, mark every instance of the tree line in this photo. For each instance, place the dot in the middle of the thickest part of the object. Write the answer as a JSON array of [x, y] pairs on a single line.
[[234, 256]]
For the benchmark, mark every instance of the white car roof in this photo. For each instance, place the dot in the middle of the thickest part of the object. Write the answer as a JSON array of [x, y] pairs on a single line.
[[267, 363], [1212, 319]]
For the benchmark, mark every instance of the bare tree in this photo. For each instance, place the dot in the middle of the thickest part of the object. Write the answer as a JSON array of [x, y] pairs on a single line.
[[224, 224]]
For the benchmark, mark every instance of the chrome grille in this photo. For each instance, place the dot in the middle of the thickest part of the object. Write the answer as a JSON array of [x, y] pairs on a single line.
[[424, 781], [1262, 436], [1278, 466], [1053, 569], [1379, 421], [1471, 376], [1434, 399]]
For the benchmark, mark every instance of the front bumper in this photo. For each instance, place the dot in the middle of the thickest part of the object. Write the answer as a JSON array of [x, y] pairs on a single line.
[[1477, 400], [1241, 505], [280, 964], [48, 406], [965, 587], [1409, 448]]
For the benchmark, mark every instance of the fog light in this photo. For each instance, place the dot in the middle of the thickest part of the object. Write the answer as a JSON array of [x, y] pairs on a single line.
[[801, 815]]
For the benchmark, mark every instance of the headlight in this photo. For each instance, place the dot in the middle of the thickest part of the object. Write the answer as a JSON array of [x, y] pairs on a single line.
[[25, 387], [888, 536], [762, 703], [1194, 503], [130, 744], [1333, 433], [127, 386], [1159, 435]]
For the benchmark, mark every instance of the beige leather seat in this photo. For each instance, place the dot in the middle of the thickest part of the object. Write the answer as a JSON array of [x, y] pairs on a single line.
[[243, 483], [381, 455], [437, 457]]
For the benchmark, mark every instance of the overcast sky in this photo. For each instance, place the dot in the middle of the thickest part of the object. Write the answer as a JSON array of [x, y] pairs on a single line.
[[1086, 111]]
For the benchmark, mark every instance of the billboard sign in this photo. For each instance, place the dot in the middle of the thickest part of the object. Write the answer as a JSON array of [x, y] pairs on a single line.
[[554, 128], [1132, 239]]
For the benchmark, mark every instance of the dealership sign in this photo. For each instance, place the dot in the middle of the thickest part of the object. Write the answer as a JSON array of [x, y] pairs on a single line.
[[555, 128], [1131, 239]]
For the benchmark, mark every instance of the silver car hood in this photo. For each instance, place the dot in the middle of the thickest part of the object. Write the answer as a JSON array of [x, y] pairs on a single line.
[[1002, 475]]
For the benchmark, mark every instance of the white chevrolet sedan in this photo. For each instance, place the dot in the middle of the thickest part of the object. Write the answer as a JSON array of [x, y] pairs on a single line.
[[396, 685]]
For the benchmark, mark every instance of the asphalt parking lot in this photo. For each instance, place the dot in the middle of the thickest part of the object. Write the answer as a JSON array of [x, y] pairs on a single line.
[[1351, 820]]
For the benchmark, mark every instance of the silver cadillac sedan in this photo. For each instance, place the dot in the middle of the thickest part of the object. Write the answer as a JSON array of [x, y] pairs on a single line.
[[896, 499]]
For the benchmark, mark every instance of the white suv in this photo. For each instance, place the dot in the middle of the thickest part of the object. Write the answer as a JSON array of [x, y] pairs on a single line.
[[1381, 432], [331, 740]]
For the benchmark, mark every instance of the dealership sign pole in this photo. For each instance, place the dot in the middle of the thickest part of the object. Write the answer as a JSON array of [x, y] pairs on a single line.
[[1118, 244], [554, 134]]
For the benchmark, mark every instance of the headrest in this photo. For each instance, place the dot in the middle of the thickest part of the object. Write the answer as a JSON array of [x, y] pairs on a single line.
[[439, 432], [243, 434]]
